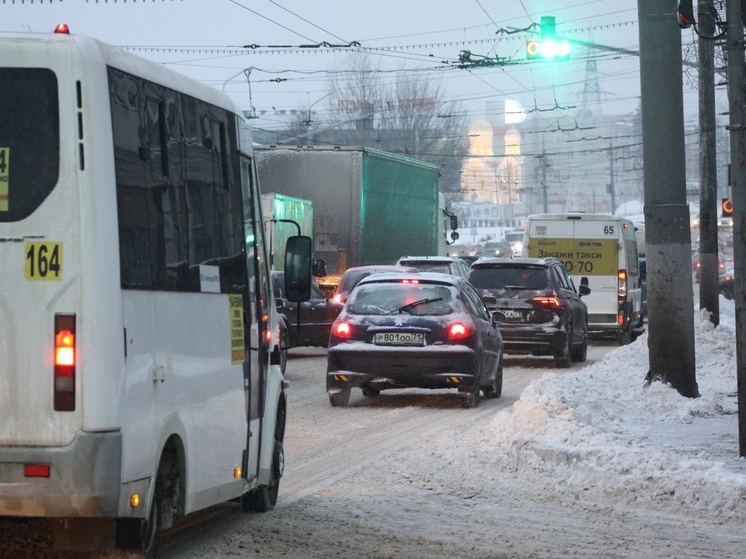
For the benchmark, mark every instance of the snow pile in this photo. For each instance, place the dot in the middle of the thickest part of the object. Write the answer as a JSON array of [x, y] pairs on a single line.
[[602, 432]]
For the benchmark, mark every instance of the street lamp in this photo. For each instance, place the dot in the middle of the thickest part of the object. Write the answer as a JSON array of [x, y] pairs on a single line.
[[309, 121]]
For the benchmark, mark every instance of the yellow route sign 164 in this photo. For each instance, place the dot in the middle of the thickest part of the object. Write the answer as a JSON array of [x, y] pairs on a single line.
[[43, 261]]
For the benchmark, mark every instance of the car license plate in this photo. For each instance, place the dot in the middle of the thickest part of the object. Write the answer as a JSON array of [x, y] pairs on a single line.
[[399, 338], [512, 314]]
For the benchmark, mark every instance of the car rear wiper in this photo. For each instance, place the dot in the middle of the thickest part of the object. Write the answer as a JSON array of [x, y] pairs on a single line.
[[416, 304]]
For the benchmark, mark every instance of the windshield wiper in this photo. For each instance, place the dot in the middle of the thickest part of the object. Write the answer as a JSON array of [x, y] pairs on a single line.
[[416, 304]]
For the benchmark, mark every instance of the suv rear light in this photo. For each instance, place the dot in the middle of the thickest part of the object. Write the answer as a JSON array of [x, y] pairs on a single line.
[[622, 286], [547, 302], [65, 361]]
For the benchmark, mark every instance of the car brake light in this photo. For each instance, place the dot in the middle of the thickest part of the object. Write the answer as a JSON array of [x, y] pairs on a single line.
[[36, 470], [410, 281], [342, 329], [547, 302], [65, 361], [622, 286], [337, 298], [459, 331]]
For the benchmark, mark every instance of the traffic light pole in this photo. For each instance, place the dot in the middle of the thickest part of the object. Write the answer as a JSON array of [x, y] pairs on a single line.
[[737, 127], [667, 234]]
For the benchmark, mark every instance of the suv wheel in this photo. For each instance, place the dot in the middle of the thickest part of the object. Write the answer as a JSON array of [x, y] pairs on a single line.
[[580, 354], [563, 359]]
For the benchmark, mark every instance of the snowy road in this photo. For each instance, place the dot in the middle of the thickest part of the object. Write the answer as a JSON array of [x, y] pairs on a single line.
[[412, 474]]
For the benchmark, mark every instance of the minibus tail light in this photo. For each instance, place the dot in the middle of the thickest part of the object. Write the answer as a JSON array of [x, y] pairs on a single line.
[[65, 361], [622, 283]]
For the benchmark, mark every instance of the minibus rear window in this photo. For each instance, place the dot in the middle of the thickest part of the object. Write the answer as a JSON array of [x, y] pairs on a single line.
[[29, 140]]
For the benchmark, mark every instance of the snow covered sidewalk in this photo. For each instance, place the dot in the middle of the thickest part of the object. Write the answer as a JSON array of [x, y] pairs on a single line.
[[599, 431]]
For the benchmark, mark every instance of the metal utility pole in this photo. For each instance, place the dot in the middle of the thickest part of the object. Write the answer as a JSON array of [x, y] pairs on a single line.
[[612, 187], [737, 127], [544, 185], [667, 234], [709, 298]]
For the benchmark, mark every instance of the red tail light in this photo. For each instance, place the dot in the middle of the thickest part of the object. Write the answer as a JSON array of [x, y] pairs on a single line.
[[547, 302], [36, 470], [65, 361], [622, 289], [342, 329], [459, 331], [337, 298]]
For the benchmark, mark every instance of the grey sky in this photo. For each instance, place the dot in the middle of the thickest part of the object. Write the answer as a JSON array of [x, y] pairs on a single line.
[[204, 39]]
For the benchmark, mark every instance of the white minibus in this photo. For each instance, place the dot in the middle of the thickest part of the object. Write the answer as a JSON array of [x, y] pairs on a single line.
[[139, 367], [600, 251]]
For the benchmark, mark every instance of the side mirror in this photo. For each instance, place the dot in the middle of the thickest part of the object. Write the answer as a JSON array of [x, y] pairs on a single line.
[[319, 268], [498, 317], [454, 235], [454, 222], [298, 268], [584, 281], [584, 290]]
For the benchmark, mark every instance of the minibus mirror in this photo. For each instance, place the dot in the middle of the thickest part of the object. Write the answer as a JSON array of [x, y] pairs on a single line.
[[298, 260]]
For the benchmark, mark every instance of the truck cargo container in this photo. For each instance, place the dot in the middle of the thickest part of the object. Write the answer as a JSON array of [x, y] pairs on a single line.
[[369, 206]]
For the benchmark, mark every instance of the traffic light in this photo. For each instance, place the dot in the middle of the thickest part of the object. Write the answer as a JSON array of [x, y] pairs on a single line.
[[548, 46], [685, 14], [726, 207]]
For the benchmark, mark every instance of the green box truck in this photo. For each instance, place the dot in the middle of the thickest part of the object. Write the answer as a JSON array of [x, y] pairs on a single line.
[[369, 206]]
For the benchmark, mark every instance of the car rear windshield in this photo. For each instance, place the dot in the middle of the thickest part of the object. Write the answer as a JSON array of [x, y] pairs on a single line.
[[404, 298], [509, 277], [29, 140], [441, 267]]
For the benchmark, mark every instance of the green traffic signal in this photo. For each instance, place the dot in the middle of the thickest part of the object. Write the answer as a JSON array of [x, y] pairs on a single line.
[[549, 48]]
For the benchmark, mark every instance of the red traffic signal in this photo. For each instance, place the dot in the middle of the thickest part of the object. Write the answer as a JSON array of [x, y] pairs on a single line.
[[726, 207]]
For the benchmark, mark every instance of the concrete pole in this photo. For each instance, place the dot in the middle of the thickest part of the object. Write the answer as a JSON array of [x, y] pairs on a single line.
[[709, 298], [612, 187], [544, 185], [667, 234], [737, 127]]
